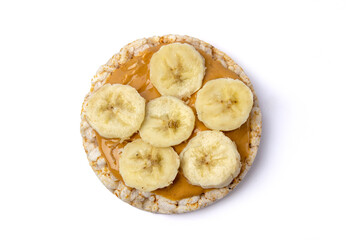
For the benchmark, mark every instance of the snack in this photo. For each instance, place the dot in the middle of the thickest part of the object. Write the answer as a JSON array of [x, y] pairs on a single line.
[[131, 66]]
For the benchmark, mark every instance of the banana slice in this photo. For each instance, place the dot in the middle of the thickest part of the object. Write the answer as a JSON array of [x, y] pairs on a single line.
[[115, 111], [210, 160], [177, 70], [146, 167], [168, 122], [224, 104]]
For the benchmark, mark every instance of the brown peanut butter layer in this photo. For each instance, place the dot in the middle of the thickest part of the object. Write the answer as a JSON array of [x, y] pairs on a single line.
[[136, 73]]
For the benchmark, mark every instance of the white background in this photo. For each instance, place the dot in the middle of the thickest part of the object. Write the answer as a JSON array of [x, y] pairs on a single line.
[[302, 57]]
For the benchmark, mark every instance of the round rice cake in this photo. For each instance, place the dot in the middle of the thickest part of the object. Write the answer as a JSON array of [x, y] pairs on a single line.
[[151, 201]]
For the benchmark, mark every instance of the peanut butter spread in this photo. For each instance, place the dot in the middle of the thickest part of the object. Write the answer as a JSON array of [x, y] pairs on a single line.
[[136, 73]]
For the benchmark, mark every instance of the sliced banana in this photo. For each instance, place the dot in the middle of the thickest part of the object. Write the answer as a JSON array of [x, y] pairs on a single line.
[[210, 160], [115, 111], [224, 104], [177, 69], [168, 122], [146, 167]]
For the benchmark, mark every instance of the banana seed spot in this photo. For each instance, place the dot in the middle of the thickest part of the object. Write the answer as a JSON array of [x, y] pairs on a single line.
[[152, 162], [205, 161], [110, 108], [173, 124], [228, 104], [177, 71]]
